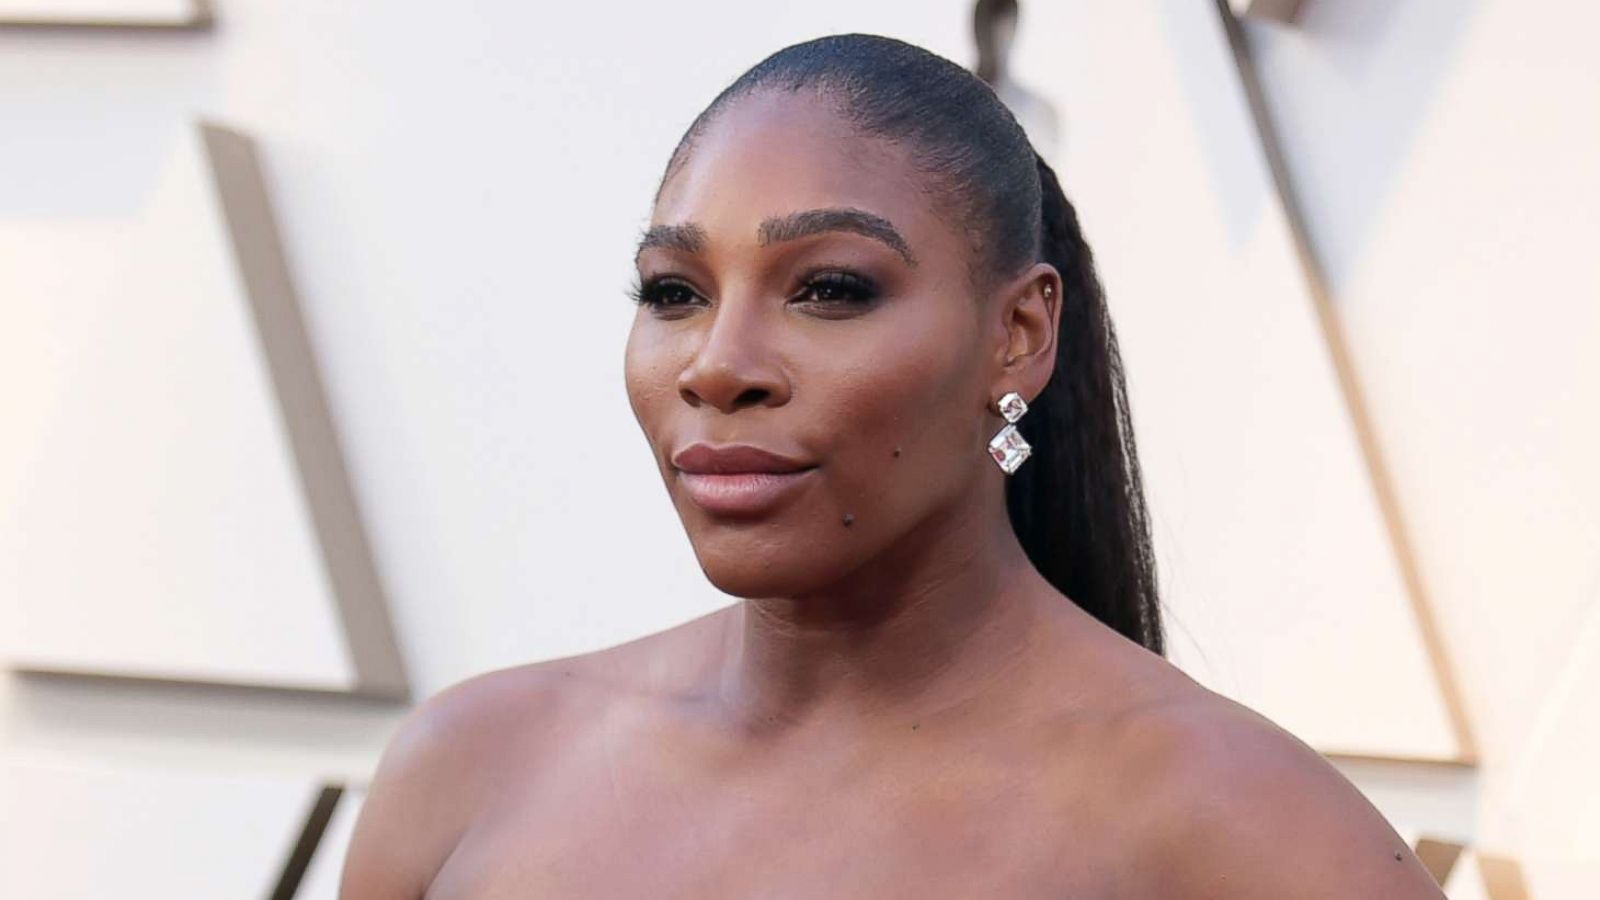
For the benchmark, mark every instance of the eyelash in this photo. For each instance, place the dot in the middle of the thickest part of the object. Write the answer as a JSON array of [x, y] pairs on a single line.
[[849, 289], [651, 291], [857, 290]]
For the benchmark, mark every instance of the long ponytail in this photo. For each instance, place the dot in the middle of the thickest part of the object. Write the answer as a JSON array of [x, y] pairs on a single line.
[[1078, 505]]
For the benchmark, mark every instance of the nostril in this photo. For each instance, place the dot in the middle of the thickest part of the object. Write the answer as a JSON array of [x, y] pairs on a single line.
[[751, 397]]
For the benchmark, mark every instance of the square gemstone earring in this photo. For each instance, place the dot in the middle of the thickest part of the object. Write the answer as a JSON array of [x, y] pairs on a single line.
[[1008, 448]]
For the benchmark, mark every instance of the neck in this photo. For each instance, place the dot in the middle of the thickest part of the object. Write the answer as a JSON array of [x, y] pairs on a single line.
[[921, 628]]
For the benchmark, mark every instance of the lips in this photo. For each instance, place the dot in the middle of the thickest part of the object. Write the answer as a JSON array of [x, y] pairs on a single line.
[[739, 479]]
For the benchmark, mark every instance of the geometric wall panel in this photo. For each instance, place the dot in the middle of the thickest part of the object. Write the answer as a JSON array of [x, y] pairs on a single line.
[[1334, 332], [88, 834], [1477, 333], [106, 13], [176, 504], [1281, 584]]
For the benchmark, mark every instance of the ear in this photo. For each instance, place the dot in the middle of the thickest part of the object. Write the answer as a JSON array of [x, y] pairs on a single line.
[[1030, 306]]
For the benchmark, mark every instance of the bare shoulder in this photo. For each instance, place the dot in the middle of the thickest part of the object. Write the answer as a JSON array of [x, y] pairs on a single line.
[[452, 755], [1231, 805], [434, 773]]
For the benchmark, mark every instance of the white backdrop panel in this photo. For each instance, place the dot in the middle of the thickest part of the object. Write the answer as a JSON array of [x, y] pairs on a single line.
[[1282, 587], [155, 525], [1445, 152]]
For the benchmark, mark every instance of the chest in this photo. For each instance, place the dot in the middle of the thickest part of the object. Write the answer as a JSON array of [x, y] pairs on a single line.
[[923, 833]]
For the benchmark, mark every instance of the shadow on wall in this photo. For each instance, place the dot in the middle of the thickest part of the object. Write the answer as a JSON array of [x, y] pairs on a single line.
[[1408, 46], [168, 76]]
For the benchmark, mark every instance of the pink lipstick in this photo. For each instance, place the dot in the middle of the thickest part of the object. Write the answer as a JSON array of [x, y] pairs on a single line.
[[739, 479]]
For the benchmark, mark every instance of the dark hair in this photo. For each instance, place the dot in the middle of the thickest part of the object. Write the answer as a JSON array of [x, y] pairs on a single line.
[[1078, 505]]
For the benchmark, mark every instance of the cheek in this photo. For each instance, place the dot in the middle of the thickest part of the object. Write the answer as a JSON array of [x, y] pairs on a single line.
[[917, 387], [650, 370]]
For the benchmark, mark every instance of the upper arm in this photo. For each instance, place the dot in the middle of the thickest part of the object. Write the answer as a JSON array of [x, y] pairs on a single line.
[[1250, 812], [427, 788]]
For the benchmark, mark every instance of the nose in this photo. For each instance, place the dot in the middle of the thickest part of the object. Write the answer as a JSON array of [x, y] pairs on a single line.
[[735, 366]]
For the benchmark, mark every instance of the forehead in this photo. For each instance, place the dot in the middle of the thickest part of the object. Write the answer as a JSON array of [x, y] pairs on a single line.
[[771, 154]]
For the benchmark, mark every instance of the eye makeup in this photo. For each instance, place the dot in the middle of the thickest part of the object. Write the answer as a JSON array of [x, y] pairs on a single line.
[[836, 287], [663, 291], [826, 290]]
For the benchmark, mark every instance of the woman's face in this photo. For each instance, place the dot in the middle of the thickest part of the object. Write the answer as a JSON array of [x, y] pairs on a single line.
[[811, 366]]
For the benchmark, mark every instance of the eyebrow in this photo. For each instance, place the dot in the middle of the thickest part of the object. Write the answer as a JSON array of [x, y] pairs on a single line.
[[691, 238], [816, 221], [687, 238]]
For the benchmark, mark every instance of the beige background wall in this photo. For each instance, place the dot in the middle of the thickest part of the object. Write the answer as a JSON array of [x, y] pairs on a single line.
[[459, 190], [1445, 153]]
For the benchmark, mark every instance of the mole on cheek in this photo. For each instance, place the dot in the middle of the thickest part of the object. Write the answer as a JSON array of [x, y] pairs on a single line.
[[897, 452], [849, 519]]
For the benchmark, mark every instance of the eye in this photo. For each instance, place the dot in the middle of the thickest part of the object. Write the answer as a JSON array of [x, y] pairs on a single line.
[[666, 293], [836, 288]]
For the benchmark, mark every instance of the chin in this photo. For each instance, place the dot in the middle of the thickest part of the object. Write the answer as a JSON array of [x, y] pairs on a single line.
[[749, 580], [772, 571]]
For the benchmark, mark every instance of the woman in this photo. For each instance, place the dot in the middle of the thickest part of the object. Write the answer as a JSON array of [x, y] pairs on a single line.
[[945, 677]]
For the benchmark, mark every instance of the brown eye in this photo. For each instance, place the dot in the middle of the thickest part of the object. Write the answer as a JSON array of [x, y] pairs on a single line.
[[664, 293], [837, 289]]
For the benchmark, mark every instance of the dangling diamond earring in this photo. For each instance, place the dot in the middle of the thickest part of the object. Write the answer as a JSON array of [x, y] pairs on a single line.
[[1008, 448]]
